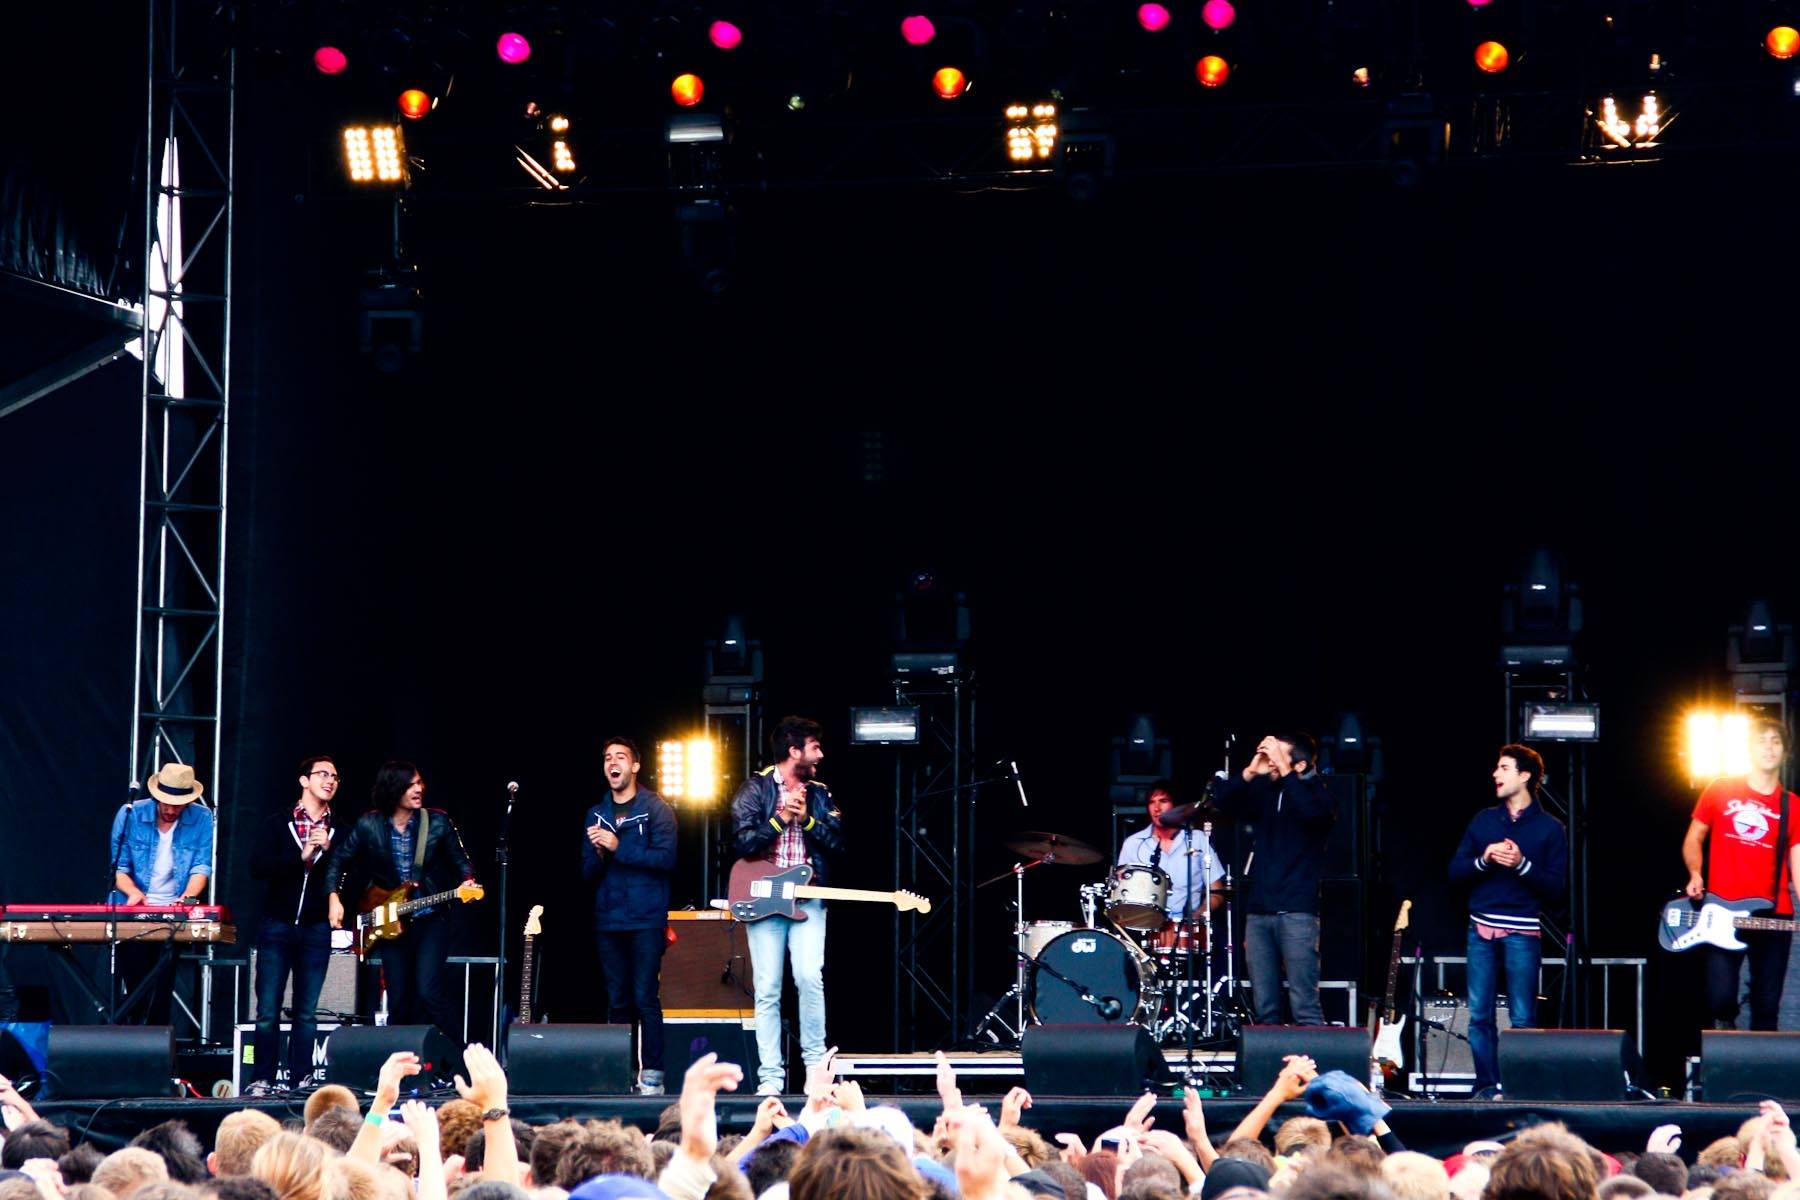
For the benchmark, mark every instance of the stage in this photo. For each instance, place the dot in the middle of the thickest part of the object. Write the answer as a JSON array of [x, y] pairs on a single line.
[[1437, 1128]]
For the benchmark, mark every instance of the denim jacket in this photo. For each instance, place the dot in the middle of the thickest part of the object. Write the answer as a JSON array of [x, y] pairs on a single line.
[[134, 842]]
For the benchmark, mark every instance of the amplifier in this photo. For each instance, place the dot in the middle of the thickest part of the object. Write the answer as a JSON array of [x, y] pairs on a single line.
[[707, 964], [1445, 1061]]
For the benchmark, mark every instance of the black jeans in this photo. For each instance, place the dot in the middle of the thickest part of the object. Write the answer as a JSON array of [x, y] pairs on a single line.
[[1768, 969], [417, 977], [304, 951], [631, 961]]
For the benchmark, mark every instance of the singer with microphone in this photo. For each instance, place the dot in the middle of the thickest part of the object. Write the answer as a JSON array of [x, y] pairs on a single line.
[[1183, 853], [291, 857], [627, 858]]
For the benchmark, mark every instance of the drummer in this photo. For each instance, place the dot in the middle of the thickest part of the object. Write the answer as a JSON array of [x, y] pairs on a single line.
[[1180, 851]]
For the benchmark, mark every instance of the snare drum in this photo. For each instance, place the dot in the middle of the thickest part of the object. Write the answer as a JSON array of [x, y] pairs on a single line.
[[1039, 934], [1136, 897]]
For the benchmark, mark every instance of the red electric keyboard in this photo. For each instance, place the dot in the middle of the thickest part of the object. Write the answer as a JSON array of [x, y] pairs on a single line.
[[115, 912], [121, 922]]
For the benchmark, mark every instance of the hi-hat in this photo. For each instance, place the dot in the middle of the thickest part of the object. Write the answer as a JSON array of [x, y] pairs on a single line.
[[1053, 848]]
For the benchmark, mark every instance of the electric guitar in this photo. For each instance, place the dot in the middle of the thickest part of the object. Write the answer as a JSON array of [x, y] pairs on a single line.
[[532, 929], [759, 890], [1714, 922], [1388, 1057], [382, 910]]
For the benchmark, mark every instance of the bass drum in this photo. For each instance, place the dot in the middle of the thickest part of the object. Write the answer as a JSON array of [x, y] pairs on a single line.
[[1107, 967]]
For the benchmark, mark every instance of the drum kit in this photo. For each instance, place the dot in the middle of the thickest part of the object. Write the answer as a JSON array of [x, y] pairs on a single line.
[[1127, 962]]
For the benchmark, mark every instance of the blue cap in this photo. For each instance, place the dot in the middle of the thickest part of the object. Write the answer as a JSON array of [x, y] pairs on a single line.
[[936, 1172], [1335, 1096], [618, 1187], [795, 1133]]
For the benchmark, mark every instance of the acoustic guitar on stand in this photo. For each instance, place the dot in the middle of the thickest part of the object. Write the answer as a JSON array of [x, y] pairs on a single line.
[[759, 890]]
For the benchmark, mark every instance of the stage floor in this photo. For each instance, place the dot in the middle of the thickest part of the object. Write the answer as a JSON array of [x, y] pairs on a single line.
[[1439, 1128]]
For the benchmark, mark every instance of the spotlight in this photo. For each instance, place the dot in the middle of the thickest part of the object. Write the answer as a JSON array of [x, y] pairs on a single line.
[[559, 124], [562, 159], [1717, 744], [725, 35], [687, 769], [1153, 17], [1218, 14], [330, 60], [1360, 77], [1030, 131], [1783, 41], [1561, 722], [796, 103], [687, 90], [1485, 3], [884, 726], [949, 83], [512, 48], [1212, 71], [414, 103], [374, 154], [1492, 57], [917, 30]]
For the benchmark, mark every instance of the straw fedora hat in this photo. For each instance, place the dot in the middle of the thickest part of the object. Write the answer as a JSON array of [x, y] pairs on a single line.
[[175, 784]]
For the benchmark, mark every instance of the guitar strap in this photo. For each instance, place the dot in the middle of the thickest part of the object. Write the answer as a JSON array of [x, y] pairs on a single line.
[[419, 848], [1781, 838]]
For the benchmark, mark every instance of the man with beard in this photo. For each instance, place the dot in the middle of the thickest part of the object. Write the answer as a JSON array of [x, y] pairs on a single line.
[[783, 815], [627, 859]]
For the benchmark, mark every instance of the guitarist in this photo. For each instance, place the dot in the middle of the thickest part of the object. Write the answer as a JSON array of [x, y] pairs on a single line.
[[384, 849], [1514, 859], [627, 859], [785, 816], [1752, 815]]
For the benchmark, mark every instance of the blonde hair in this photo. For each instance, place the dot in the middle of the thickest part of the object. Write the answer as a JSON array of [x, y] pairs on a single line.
[[1297, 1133], [1415, 1176], [125, 1171], [293, 1165], [347, 1179], [241, 1135]]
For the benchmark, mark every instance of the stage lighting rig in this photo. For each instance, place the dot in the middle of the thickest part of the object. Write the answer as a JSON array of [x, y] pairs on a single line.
[[687, 769], [1554, 721], [1030, 132], [375, 155], [890, 726], [550, 136], [393, 318], [1760, 655]]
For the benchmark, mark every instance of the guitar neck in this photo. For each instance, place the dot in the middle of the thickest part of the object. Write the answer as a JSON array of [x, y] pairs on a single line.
[[806, 892], [1772, 924], [525, 985], [412, 906]]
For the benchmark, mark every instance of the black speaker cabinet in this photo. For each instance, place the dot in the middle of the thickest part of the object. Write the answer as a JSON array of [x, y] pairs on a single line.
[[1332, 1047], [111, 1062], [1091, 1060], [1567, 1064], [354, 1054], [1739, 1067], [570, 1060]]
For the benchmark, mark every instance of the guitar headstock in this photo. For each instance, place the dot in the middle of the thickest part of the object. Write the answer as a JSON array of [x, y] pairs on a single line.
[[908, 902], [1405, 916], [468, 890], [532, 926]]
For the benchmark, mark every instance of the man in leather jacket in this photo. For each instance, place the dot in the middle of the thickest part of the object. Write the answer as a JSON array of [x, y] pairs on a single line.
[[381, 850], [785, 816]]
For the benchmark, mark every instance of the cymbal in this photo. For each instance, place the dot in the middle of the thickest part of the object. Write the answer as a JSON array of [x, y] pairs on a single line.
[[1184, 814], [1053, 848]]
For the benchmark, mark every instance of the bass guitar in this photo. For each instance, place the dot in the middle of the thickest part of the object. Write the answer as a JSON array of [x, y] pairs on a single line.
[[1389, 1058], [384, 909], [532, 929], [1714, 921], [759, 890]]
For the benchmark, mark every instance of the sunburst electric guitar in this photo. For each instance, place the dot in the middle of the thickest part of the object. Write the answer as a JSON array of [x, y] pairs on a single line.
[[384, 910], [759, 890]]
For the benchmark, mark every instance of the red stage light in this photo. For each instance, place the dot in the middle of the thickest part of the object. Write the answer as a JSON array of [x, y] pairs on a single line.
[[917, 30], [1212, 71], [725, 35], [512, 48], [1218, 14], [949, 83], [1478, 3], [414, 103], [1492, 57], [1153, 17], [687, 90], [331, 61], [1783, 41]]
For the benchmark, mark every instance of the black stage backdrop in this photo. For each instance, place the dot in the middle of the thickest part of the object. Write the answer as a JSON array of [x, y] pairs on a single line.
[[1241, 452]]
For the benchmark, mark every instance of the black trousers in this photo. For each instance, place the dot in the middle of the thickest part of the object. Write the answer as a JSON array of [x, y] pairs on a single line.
[[631, 961], [418, 979], [1768, 953]]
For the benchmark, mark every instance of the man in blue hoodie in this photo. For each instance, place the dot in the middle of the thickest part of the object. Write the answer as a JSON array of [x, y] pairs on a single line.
[[1514, 859], [627, 859]]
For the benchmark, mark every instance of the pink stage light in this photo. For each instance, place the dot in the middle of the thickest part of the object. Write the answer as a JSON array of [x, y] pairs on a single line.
[[512, 48], [1218, 14], [917, 30], [1153, 17], [330, 60], [725, 35]]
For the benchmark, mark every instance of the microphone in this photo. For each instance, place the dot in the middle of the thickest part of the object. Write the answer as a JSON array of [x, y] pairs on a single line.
[[1109, 1008]]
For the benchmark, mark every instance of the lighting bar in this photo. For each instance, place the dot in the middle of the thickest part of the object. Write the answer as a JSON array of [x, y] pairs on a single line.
[[1030, 131], [687, 769], [1718, 743], [1561, 722], [884, 726], [374, 154]]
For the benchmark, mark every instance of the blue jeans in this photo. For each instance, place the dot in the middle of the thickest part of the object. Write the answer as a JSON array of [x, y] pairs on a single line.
[[304, 950], [1278, 944], [1521, 955], [803, 943], [631, 962]]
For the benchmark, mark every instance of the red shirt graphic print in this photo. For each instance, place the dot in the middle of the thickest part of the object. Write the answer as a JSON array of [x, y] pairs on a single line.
[[1743, 826]]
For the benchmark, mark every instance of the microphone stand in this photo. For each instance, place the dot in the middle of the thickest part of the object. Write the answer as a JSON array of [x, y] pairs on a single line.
[[112, 906], [501, 859]]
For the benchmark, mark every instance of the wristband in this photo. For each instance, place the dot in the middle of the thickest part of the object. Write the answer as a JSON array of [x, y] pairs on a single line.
[[374, 1118], [496, 1114]]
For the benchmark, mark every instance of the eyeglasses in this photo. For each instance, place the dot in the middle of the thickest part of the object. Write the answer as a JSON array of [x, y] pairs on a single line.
[[331, 775]]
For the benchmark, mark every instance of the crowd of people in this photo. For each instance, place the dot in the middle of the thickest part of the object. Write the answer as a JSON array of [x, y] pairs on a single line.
[[840, 1147]]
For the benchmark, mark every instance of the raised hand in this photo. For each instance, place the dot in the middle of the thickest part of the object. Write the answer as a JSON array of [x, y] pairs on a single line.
[[486, 1085], [1073, 1149], [980, 1157], [702, 1083], [398, 1066], [1299, 1071], [947, 1090], [1193, 1116], [820, 1077], [771, 1115], [849, 1096], [422, 1121], [1139, 1120], [1013, 1107]]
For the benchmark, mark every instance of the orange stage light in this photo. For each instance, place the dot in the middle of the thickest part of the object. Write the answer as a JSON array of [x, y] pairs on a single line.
[[414, 103], [1783, 41], [1492, 57], [949, 83], [687, 90], [1212, 71]]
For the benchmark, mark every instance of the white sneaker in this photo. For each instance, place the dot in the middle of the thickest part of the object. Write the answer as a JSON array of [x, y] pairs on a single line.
[[768, 1089]]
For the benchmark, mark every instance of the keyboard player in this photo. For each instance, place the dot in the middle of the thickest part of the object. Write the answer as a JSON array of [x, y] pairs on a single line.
[[161, 854]]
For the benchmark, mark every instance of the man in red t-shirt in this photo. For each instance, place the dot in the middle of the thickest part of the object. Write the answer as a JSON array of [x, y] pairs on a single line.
[[1741, 817]]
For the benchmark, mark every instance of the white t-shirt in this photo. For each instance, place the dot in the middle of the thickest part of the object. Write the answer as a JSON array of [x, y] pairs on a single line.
[[164, 887]]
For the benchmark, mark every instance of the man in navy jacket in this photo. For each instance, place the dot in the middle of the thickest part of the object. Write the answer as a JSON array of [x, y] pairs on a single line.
[[1514, 859], [627, 858]]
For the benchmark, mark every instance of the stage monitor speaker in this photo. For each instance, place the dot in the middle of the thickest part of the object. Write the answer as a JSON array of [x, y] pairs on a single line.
[[1742, 1067], [111, 1062], [1567, 1064], [354, 1054], [1333, 1047], [570, 1060], [1091, 1060]]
